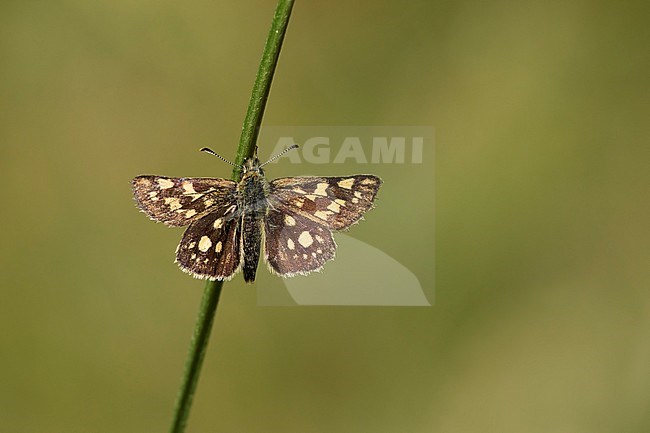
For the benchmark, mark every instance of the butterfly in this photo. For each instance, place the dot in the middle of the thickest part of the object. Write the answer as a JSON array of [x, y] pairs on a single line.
[[229, 221]]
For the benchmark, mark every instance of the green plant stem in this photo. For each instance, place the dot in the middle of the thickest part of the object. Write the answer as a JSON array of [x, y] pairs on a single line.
[[198, 347], [262, 85], [245, 150]]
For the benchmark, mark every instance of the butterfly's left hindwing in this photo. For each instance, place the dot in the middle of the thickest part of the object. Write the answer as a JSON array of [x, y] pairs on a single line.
[[179, 201], [211, 247]]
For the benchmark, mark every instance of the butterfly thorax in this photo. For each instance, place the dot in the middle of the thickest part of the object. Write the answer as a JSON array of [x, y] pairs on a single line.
[[253, 189]]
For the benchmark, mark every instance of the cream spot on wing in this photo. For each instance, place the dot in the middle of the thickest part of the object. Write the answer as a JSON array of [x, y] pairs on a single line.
[[218, 223], [368, 181], [311, 197], [218, 247], [319, 251], [290, 244], [173, 203], [346, 183], [299, 190], [322, 214], [165, 183], [191, 245], [313, 254], [299, 202], [304, 256], [305, 239], [340, 202], [358, 194], [334, 207], [190, 213], [355, 200], [319, 239], [208, 203], [193, 256], [289, 220], [152, 194], [321, 189], [189, 188], [205, 243]]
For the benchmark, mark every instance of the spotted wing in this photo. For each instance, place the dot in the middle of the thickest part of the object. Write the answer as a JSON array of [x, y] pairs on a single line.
[[295, 244], [179, 201], [211, 247], [335, 202]]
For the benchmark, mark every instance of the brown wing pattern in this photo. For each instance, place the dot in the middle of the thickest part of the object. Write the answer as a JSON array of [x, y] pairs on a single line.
[[210, 248], [295, 244], [179, 201], [336, 202]]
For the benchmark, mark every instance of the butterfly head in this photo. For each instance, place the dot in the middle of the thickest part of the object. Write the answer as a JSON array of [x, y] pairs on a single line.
[[252, 167]]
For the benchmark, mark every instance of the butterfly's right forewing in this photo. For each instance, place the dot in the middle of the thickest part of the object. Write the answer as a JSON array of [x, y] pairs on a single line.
[[336, 202]]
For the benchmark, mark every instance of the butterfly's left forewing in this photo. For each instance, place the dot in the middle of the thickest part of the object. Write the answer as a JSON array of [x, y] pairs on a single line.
[[177, 201]]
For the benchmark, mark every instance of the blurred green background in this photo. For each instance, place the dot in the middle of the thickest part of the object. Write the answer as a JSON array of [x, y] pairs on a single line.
[[541, 320]]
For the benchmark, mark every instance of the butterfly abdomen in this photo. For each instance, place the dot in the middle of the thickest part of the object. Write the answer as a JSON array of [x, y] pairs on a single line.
[[252, 241], [253, 190]]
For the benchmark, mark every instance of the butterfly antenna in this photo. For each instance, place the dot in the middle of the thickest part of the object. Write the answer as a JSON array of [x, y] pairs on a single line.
[[212, 152], [295, 146]]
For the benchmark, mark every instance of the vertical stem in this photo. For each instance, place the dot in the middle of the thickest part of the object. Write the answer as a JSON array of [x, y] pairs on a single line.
[[262, 85], [246, 149], [198, 347]]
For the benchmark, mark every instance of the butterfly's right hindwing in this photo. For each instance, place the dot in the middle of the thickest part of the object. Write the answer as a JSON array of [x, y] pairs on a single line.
[[179, 201], [294, 244]]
